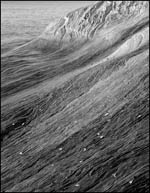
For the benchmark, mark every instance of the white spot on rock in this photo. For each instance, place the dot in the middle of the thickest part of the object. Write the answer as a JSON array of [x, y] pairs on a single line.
[[106, 114], [60, 149], [66, 20], [114, 175], [130, 182], [20, 153], [84, 149], [77, 185]]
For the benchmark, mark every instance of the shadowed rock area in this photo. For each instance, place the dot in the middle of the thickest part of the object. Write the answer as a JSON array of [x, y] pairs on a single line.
[[75, 104]]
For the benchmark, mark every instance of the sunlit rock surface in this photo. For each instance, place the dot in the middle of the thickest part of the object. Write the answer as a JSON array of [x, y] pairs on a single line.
[[75, 104], [85, 23]]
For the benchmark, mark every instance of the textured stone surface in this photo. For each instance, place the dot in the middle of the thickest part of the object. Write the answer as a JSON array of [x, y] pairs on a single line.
[[75, 104]]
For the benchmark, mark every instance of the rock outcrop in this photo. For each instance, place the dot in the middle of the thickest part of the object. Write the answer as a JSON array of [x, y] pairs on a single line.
[[88, 22], [109, 20]]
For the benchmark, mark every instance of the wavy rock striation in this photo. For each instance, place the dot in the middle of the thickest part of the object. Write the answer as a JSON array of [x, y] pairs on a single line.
[[75, 104]]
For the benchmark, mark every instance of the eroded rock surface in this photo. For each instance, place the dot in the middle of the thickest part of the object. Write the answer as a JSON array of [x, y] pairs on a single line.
[[75, 104]]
